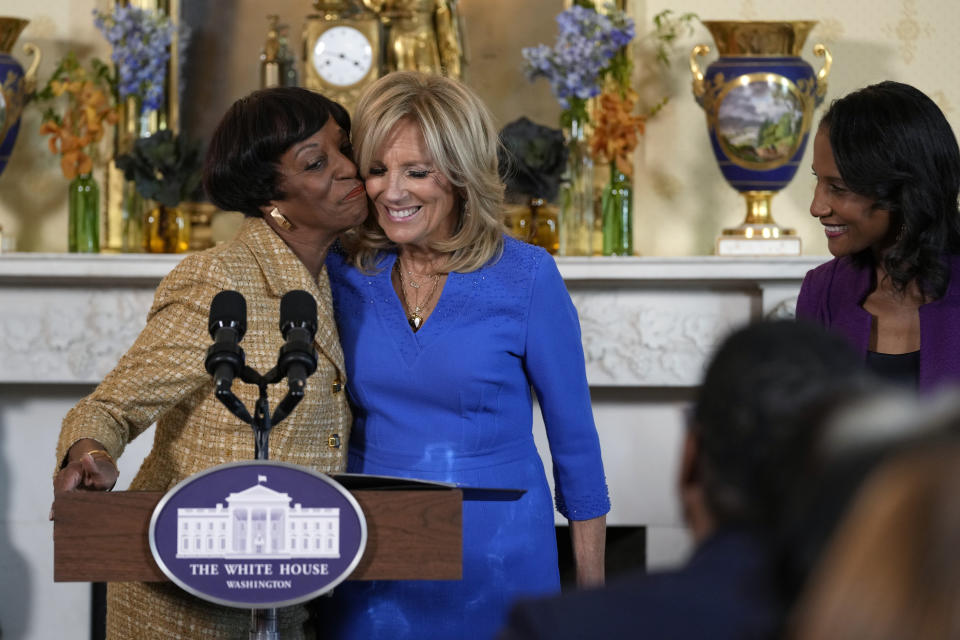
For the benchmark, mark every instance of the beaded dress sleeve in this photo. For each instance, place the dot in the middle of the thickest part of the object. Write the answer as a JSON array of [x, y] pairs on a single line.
[[555, 366]]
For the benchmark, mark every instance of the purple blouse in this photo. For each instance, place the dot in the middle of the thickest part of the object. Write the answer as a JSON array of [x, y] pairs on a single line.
[[833, 295]]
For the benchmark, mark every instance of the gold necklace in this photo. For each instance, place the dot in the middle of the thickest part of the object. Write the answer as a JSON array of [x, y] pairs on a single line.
[[414, 317]]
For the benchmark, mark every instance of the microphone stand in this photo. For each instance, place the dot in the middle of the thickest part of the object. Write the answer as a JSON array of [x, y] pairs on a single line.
[[261, 420], [297, 361], [263, 622]]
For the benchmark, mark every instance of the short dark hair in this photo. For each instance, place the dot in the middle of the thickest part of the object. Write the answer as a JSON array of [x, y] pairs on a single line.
[[240, 172], [753, 415], [892, 143]]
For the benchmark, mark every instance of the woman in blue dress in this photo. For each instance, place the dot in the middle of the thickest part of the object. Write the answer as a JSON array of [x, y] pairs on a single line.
[[446, 324]]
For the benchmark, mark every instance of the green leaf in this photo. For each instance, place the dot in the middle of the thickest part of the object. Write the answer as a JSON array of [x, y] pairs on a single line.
[[165, 167]]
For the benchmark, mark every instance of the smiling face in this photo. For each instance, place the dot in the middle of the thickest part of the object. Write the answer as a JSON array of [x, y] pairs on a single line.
[[323, 191], [851, 221], [415, 203]]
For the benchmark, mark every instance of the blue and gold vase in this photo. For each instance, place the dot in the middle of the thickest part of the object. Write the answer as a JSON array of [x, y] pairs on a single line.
[[15, 85], [759, 97]]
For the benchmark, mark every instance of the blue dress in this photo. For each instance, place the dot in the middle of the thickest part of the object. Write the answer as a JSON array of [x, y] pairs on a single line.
[[452, 403]]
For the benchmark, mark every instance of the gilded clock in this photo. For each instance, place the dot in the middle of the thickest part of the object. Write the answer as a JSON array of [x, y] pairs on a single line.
[[341, 52]]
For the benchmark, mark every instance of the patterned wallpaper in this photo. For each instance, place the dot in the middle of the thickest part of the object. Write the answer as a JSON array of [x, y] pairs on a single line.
[[681, 202]]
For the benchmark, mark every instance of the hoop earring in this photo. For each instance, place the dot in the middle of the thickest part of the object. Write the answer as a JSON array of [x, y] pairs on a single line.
[[281, 219]]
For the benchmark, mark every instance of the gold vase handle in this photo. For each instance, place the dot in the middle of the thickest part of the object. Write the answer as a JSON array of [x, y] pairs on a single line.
[[374, 5], [699, 50], [820, 50], [30, 77]]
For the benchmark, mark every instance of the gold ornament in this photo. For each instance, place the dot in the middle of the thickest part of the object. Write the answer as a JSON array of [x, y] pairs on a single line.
[[281, 219]]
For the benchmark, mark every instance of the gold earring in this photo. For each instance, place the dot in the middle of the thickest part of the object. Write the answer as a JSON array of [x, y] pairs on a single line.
[[281, 219]]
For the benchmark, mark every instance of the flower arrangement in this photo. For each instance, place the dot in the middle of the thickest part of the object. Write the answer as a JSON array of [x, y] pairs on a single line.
[[584, 54], [532, 159], [78, 107], [590, 59], [141, 48], [617, 130], [616, 127], [165, 167]]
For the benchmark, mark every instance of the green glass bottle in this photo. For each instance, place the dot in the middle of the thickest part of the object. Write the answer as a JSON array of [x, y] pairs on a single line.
[[617, 207], [84, 215]]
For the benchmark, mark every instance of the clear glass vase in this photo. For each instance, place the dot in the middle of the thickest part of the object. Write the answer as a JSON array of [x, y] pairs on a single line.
[[84, 215], [576, 198], [132, 207], [617, 206], [125, 207]]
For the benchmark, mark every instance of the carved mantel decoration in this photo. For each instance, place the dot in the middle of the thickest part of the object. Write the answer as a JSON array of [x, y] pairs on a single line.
[[646, 322]]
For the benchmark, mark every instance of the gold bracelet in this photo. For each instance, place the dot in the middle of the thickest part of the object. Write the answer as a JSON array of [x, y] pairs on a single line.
[[105, 454]]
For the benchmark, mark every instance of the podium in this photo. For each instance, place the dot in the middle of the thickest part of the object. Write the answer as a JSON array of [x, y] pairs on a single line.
[[414, 532]]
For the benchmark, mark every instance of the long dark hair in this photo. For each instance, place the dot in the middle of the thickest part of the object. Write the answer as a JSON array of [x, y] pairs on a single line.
[[893, 144]]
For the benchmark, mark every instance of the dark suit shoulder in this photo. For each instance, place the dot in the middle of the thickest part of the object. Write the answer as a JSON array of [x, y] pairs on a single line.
[[722, 593]]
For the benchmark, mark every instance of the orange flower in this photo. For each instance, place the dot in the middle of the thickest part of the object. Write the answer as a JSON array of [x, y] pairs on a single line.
[[52, 128], [70, 142], [616, 130], [74, 163], [82, 122]]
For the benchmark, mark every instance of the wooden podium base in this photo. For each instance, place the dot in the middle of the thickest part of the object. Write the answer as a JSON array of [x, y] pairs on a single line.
[[103, 537]]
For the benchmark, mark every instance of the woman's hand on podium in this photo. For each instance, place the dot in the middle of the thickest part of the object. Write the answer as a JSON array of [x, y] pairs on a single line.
[[87, 466]]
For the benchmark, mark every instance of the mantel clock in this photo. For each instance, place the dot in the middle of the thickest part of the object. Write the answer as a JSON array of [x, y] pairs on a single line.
[[341, 50]]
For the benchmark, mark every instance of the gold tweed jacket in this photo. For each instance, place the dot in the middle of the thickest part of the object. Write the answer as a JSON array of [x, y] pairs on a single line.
[[162, 378]]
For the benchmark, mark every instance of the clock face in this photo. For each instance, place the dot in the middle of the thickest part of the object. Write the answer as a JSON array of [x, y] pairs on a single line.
[[342, 56]]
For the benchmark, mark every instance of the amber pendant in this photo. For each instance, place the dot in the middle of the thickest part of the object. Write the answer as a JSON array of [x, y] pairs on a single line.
[[415, 321]]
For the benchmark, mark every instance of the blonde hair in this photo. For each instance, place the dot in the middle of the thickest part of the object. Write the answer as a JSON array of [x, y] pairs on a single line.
[[462, 140]]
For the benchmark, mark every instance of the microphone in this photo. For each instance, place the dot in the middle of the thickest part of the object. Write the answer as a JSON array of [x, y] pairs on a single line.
[[228, 323], [298, 324]]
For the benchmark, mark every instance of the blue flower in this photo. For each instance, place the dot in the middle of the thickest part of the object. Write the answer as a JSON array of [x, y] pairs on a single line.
[[586, 43], [140, 40]]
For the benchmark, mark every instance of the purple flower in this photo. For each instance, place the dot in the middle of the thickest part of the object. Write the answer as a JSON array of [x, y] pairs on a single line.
[[140, 40], [586, 43]]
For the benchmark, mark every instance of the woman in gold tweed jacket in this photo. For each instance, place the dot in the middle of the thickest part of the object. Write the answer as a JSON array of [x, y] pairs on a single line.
[[281, 156]]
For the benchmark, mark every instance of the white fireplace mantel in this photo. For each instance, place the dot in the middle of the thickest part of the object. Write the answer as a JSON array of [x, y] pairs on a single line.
[[30, 268], [67, 318]]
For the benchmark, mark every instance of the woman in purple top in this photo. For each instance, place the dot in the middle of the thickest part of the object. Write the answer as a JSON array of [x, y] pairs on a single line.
[[888, 176]]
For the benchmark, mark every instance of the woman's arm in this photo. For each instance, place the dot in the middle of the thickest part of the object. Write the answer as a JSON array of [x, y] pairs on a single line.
[[554, 362], [164, 365], [589, 538]]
